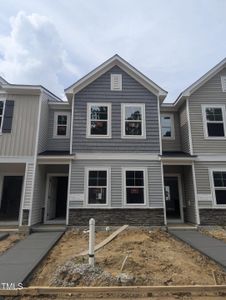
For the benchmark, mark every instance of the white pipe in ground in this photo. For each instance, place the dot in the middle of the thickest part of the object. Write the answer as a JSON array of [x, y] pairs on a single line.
[[91, 241]]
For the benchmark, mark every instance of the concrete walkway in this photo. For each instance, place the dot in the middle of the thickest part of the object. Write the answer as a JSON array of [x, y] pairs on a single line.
[[211, 247], [18, 262], [3, 235]]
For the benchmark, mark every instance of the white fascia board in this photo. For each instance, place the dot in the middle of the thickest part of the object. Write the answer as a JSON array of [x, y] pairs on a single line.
[[116, 156], [16, 159]]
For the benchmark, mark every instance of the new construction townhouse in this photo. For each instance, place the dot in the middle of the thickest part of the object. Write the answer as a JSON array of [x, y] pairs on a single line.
[[114, 151]]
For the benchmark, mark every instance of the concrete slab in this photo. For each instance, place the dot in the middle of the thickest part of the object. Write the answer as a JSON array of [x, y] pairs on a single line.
[[3, 235], [18, 262], [211, 247]]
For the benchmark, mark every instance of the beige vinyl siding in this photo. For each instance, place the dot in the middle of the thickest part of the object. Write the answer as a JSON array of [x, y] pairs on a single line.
[[203, 182], [43, 130], [211, 94], [173, 144], [21, 140], [184, 130], [155, 195]]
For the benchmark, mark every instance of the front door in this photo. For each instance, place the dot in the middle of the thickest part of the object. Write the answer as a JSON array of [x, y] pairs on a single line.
[[51, 201], [172, 198]]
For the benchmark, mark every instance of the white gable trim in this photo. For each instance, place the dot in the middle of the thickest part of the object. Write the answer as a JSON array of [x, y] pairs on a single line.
[[125, 66]]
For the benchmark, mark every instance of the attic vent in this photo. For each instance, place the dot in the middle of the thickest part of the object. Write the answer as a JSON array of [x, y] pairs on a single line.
[[223, 83], [116, 82]]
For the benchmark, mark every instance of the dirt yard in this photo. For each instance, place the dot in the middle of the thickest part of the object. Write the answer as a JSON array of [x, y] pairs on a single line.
[[9, 242], [153, 258], [216, 232]]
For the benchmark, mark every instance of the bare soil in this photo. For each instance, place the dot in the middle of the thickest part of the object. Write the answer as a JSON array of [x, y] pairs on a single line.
[[216, 232], [9, 242], [154, 258]]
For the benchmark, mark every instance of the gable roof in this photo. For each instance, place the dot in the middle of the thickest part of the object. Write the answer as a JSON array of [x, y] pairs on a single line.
[[115, 60], [201, 81]]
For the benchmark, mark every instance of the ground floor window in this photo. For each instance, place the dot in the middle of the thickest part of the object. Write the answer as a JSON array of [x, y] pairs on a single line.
[[134, 186], [219, 179], [97, 186]]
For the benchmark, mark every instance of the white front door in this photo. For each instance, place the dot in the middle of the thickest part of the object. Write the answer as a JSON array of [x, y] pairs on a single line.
[[51, 200]]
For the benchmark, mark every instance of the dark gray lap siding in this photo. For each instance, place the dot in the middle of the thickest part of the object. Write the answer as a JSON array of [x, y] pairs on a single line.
[[117, 217], [133, 92], [212, 216]]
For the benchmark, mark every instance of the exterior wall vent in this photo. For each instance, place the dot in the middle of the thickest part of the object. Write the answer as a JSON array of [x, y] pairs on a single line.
[[116, 82], [223, 83]]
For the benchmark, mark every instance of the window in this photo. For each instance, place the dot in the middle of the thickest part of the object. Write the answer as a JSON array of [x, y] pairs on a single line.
[[223, 83], [98, 120], [219, 180], [167, 126], [135, 186], [61, 124], [97, 186], [2, 106], [133, 121], [214, 121], [116, 82]]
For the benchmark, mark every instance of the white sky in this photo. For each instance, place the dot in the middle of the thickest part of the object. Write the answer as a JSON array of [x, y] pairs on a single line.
[[55, 42]]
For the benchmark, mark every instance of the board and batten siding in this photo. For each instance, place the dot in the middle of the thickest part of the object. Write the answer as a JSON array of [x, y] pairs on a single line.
[[211, 94], [173, 144], [184, 129], [56, 144], [43, 129], [100, 91], [204, 191], [21, 140], [154, 188]]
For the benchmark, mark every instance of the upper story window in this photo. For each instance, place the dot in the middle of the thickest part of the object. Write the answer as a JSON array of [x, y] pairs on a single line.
[[219, 180], [97, 186], [214, 121], [167, 126], [61, 125], [133, 121], [98, 120], [116, 82], [223, 83], [2, 106]]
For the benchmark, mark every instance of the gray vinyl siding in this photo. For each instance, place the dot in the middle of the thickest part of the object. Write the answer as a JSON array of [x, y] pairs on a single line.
[[22, 139], [155, 195], [175, 144], [209, 93], [56, 144], [184, 129], [28, 185], [203, 182], [132, 92]]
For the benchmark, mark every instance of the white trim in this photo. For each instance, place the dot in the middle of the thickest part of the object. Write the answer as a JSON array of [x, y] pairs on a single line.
[[16, 159], [68, 194], [195, 192], [189, 127], [108, 187], [1, 187], [72, 123], [181, 200], [88, 121], [171, 116], [211, 157], [113, 88], [205, 121], [23, 195], [160, 130], [3, 113], [223, 83], [213, 188], [145, 187], [125, 66], [55, 125], [116, 156], [163, 194], [143, 121], [45, 221]]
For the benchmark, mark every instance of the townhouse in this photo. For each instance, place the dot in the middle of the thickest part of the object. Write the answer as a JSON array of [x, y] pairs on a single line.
[[114, 151]]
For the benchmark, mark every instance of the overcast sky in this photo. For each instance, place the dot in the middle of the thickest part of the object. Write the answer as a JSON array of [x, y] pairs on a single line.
[[55, 42]]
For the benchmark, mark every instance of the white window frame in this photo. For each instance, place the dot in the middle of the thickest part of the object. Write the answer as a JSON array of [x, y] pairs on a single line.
[[223, 83], [143, 121], [205, 121], [213, 188], [171, 116], [133, 205], [112, 82], [88, 125], [108, 188], [3, 113], [61, 113]]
